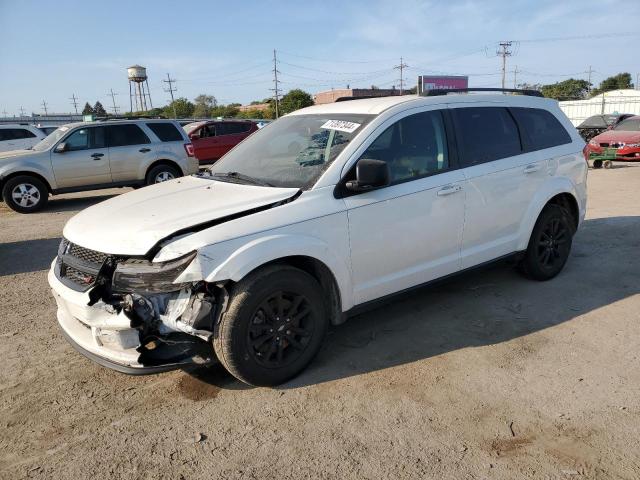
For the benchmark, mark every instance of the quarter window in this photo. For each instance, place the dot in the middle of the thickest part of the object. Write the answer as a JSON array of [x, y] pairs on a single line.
[[486, 134], [123, 135], [540, 128], [166, 132], [413, 147]]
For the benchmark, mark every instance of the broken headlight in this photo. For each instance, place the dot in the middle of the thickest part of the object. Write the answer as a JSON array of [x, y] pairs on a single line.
[[135, 275]]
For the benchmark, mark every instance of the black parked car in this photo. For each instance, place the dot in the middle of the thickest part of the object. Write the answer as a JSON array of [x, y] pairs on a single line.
[[597, 124]]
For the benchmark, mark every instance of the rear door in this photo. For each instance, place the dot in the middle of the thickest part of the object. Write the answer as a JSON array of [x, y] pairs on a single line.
[[206, 145], [230, 134], [501, 180], [129, 148], [85, 161]]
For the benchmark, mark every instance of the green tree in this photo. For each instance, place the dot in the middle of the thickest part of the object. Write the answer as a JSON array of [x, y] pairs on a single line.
[[183, 108], [617, 82], [571, 89], [294, 100], [204, 104], [99, 110], [88, 109], [227, 111]]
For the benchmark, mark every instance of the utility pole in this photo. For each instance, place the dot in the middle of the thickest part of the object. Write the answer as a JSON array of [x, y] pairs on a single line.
[[275, 89], [21, 112], [589, 72], [44, 107], [4, 113], [401, 67], [504, 52], [113, 100], [74, 102], [171, 89], [515, 77]]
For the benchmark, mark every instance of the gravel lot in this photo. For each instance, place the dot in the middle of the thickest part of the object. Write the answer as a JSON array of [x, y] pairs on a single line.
[[487, 376]]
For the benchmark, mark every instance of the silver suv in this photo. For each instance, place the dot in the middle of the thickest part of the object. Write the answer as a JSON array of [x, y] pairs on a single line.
[[90, 156]]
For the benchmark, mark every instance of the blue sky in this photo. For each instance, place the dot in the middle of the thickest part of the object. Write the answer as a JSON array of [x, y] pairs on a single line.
[[51, 50]]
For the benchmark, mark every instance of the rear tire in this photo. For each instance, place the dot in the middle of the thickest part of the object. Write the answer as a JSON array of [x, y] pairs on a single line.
[[25, 194], [549, 245], [273, 327], [161, 173]]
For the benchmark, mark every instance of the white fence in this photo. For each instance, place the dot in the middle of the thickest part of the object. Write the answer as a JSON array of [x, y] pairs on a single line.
[[618, 101]]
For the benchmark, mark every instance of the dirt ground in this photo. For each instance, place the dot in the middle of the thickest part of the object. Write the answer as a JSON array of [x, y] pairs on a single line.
[[487, 376]]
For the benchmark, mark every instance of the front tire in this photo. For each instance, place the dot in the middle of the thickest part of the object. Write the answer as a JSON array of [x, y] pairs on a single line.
[[549, 245], [25, 194], [273, 326]]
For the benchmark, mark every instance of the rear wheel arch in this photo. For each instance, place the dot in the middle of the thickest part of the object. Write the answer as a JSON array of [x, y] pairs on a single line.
[[164, 161]]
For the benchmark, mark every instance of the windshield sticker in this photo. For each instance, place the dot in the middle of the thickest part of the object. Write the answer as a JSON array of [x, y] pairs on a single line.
[[341, 126]]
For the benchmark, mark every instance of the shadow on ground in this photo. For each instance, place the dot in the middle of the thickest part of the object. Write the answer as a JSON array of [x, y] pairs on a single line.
[[72, 204], [477, 309], [27, 256]]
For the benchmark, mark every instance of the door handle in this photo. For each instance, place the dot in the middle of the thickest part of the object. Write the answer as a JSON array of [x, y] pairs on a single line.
[[448, 190], [97, 156], [531, 168], [144, 150]]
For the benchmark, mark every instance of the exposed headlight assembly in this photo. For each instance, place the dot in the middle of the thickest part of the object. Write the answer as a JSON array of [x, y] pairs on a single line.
[[135, 275]]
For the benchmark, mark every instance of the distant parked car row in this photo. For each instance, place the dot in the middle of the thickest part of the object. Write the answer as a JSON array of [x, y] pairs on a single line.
[[93, 155], [621, 143], [19, 136]]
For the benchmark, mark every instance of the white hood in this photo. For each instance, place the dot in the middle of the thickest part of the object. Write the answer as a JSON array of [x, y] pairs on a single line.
[[131, 224]]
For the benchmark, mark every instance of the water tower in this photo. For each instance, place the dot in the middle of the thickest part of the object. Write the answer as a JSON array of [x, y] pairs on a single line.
[[137, 92]]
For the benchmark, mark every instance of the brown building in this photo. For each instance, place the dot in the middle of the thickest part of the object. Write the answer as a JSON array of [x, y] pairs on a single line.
[[258, 106], [331, 96]]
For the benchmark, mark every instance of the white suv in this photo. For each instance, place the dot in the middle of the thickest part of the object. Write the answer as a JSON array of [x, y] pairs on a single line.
[[310, 219], [19, 136]]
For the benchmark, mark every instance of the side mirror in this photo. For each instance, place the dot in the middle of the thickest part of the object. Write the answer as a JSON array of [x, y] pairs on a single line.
[[61, 147], [370, 174]]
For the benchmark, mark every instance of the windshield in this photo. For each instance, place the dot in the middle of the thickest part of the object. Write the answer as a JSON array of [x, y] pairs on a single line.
[[292, 151], [597, 121], [47, 142], [628, 125]]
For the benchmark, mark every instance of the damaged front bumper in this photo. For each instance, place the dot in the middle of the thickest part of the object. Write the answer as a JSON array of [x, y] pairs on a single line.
[[122, 340]]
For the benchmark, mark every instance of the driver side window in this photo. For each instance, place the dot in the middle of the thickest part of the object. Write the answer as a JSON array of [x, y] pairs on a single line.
[[413, 147], [78, 140]]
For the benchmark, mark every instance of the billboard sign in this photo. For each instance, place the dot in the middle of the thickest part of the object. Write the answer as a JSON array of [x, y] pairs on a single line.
[[441, 82]]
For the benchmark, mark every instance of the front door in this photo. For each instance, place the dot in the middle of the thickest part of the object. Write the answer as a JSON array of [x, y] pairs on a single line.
[[409, 232], [85, 160]]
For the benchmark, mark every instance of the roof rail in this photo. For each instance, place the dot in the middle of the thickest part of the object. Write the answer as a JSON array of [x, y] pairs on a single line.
[[363, 97], [445, 91]]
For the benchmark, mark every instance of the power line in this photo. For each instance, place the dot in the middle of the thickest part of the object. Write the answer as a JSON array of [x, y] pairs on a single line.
[[113, 99], [315, 59], [275, 81], [44, 106], [504, 52], [74, 102], [170, 81], [401, 67]]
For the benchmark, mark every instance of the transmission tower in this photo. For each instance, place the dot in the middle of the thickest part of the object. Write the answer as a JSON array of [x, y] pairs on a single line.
[[275, 89], [74, 102], [504, 51], [401, 67], [44, 107], [171, 89], [113, 100]]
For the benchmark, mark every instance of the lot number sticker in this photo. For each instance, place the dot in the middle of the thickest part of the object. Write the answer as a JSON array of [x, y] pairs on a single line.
[[341, 125]]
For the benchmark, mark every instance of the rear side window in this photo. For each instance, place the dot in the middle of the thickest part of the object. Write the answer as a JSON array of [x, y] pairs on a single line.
[[123, 135], [486, 134], [166, 132], [540, 128], [15, 134], [231, 128]]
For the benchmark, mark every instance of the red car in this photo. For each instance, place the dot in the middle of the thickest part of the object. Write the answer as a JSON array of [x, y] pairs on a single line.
[[212, 139], [621, 143]]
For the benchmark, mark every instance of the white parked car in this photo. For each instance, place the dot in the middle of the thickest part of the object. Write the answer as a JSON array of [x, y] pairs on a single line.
[[250, 262], [19, 136]]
